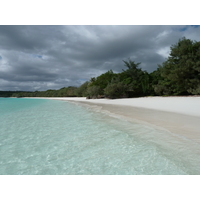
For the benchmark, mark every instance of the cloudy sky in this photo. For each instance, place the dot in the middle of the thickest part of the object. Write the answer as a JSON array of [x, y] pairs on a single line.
[[51, 57]]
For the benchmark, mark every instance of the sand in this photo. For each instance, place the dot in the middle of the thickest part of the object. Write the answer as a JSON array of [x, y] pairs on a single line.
[[179, 115]]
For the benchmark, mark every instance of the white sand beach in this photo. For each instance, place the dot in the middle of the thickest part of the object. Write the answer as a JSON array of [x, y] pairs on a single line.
[[180, 115], [182, 105]]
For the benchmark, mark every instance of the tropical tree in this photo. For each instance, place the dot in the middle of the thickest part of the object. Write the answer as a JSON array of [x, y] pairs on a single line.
[[93, 92], [116, 89], [82, 90], [145, 82], [133, 77], [102, 81], [181, 71]]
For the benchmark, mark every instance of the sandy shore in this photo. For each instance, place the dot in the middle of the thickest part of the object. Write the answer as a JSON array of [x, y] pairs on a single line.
[[179, 115]]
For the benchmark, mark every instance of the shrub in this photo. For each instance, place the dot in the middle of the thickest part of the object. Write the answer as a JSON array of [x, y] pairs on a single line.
[[93, 92], [116, 90]]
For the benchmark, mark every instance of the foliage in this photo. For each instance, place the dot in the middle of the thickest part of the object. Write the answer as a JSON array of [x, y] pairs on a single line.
[[155, 79], [116, 89], [102, 81], [82, 90], [133, 71], [135, 78], [63, 92], [181, 71], [8, 93], [145, 83], [93, 91]]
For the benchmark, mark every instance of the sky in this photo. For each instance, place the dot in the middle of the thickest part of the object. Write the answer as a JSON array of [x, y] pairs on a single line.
[[39, 57]]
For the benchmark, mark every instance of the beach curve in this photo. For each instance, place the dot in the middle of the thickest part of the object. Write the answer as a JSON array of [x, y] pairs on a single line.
[[179, 115]]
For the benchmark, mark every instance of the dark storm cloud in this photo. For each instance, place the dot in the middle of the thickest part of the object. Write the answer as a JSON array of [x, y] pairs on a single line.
[[51, 57], [27, 38]]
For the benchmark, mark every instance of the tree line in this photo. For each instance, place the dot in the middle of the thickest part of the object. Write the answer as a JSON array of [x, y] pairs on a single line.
[[178, 75]]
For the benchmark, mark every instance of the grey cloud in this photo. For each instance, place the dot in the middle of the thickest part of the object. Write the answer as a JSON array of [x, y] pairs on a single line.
[[51, 57]]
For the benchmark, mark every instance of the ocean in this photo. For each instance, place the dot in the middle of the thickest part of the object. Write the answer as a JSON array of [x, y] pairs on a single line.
[[52, 137]]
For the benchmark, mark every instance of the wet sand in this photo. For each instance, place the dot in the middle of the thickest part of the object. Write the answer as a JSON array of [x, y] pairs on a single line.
[[185, 120], [184, 125], [172, 123], [179, 115]]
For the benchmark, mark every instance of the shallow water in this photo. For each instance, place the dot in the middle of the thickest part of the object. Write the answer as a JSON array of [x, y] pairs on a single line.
[[39, 136]]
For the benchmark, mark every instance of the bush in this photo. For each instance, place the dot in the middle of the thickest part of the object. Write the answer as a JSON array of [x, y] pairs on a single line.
[[116, 90], [82, 90], [93, 92]]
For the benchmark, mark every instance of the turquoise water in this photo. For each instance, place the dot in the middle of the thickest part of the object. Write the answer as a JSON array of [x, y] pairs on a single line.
[[39, 136]]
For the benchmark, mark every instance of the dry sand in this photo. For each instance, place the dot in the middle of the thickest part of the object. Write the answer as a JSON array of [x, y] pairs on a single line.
[[179, 115]]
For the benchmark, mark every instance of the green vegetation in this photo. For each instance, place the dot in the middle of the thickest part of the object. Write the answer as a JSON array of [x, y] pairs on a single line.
[[116, 89], [178, 75], [63, 92]]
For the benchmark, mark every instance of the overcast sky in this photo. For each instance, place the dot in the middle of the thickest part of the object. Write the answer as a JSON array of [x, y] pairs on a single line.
[[51, 57]]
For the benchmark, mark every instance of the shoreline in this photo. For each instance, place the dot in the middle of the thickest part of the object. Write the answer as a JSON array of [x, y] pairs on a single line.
[[176, 134], [176, 115], [182, 105], [164, 113]]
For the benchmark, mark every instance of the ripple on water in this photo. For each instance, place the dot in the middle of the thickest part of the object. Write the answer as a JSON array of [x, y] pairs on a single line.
[[56, 137]]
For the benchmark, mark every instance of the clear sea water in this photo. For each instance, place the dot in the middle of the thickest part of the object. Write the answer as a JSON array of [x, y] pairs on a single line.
[[41, 136]]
